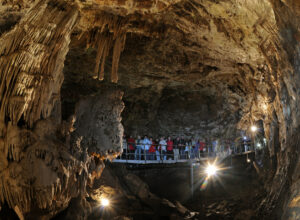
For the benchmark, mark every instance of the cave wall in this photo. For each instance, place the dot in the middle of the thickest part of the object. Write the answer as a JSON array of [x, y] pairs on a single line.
[[282, 121], [178, 111], [31, 76], [45, 161]]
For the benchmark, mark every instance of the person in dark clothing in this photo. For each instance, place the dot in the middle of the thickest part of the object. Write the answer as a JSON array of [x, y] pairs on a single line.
[[181, 145], [139, 149]]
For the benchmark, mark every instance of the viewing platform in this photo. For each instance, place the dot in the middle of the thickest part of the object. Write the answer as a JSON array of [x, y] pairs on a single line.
[[202, 157]]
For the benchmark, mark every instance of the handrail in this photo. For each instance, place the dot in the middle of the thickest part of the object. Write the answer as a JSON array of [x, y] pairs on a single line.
[[183, 153]]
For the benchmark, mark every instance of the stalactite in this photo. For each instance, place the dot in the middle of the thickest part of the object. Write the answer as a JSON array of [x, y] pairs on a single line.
[[104, 40], [101, 45], [28, 61], [118, 48], [31, 64]]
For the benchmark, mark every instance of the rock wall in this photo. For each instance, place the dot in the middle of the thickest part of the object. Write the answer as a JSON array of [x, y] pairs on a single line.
[[31, 56], [283, 118], [48, 165], [178, 111], [46, 162]]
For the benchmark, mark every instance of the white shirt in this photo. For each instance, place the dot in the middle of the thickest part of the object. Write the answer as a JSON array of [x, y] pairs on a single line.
[[146, 144], [187, 148], [163, 144]]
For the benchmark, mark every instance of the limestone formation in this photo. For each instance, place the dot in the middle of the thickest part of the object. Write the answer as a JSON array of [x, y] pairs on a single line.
[[215, 66]]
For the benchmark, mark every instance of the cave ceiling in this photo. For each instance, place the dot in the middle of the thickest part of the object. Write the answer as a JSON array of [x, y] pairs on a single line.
[[219, 48]]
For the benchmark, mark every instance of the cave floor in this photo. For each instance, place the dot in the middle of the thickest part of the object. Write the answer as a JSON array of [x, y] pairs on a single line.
[[235, 195]]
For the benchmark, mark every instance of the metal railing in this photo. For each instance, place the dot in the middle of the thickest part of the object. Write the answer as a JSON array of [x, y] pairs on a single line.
[[181, 154]]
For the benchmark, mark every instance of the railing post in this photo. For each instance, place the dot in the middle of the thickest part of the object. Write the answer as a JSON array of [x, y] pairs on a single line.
[[145, 154], [192, 179]]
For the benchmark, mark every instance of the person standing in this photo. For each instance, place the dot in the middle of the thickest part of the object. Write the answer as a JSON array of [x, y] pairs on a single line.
[[214, 147], [176, 143], [131, 147], [170, 148], [187, 150], [152, 149], [138, 150], [197, 148], [146, 145], [182, 143], [158, 149], [163, 146], [202, 148], [193, 149]]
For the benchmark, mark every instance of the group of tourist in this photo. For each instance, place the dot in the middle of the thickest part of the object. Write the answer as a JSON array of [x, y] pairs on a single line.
[[148, 148]]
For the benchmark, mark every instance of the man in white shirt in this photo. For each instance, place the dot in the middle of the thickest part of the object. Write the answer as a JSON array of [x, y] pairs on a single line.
[[163, 147]]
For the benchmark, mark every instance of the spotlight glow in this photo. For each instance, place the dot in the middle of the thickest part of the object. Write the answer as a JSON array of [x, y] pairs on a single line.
[[245, 138], [104, 202], [253, 128], [265, 140], [264, 106], [248, 160], [258, 145], [211, 170]]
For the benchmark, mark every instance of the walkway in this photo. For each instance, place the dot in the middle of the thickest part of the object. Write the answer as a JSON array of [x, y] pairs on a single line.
[[221, 156]]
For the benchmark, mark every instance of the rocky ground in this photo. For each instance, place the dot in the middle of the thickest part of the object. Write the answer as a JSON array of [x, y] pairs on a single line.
[[235, 196], [134, 193]]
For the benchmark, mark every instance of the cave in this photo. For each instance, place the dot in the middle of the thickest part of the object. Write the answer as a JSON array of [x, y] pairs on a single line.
[[75, 76]]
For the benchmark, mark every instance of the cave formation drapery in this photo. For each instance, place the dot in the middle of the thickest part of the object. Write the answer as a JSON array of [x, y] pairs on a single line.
[[245, 54]]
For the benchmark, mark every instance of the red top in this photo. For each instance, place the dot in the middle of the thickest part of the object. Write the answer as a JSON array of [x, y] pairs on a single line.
[[169, 145], [152, 148], [131, 143], [202, 145]]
